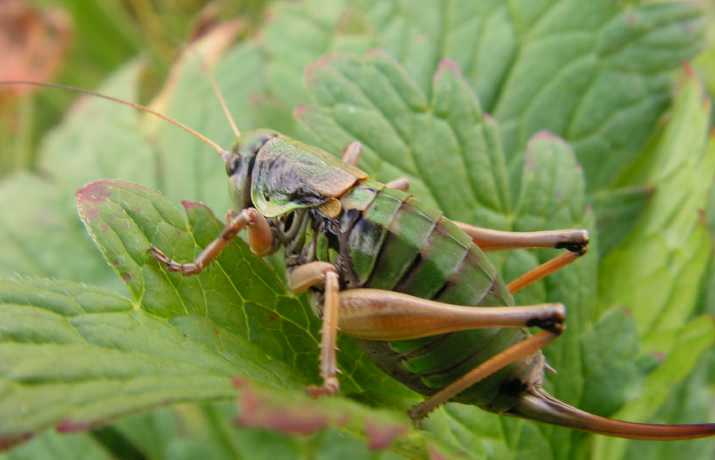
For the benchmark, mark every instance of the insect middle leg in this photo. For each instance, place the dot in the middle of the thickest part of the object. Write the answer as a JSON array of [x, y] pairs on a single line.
[[260, 240], [301, 279], [575, 241]]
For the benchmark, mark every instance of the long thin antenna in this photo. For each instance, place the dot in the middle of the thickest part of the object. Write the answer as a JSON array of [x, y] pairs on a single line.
[[217, 92], [220, 150]]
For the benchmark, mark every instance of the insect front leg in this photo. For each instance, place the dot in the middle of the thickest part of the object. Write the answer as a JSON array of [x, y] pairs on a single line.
[[302, 278], [260, 240], [575, 241]]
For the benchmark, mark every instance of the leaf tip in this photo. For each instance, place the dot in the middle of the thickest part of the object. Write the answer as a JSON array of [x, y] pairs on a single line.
[[189, 205], [95, 191], [312, 70], [89, 196], [380, 437], [448, 65], [545, 136]]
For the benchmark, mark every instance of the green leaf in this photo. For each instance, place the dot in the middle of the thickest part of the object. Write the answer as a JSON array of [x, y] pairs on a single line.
[[617, 211], [706, 60], [78, 446], [690, 343], [114, 358], [690, 401], [376, 102], [608, 65], [238, 294], [38, 237], [653, 272], [611, 375]]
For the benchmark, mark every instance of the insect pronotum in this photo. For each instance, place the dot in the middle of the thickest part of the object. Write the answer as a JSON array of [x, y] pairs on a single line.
[[400, 278]]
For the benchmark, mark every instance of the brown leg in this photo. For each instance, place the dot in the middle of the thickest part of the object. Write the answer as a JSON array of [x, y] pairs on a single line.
[[401, 183], [375, 314], [573, 240], [351, 154], [302, 278], [260, 240], [516, 352], [543, 270]]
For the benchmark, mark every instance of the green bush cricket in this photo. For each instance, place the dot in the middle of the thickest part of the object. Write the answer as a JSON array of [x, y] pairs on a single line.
[[414, 288]]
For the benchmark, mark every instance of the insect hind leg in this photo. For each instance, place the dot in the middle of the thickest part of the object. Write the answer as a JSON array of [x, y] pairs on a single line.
[[575, 241], [516, 352]]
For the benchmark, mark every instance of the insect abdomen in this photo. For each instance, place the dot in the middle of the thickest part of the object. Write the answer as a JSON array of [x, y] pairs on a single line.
[[394, 243]]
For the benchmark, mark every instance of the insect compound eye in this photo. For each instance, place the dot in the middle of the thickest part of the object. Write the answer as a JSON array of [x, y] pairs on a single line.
[[232, 165]]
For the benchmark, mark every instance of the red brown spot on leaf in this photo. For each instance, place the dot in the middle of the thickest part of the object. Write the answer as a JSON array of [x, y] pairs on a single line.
[[188, 205], [6, 442], [90, 196], [299, 111], [73, 426], [260, 412], [380, 437], [434, 454]]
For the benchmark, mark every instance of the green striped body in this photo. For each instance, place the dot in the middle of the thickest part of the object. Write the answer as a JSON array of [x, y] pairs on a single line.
[[389, 241]]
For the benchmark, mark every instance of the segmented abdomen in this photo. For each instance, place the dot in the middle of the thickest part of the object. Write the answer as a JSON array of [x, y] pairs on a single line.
[[389, 241]]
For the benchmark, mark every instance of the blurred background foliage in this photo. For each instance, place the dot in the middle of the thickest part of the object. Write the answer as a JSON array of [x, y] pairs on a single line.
[[80, 43]]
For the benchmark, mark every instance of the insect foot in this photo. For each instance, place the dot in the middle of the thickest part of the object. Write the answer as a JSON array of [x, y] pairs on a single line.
[[553, 322], [577, 242], [330, 387], [172, 265]]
